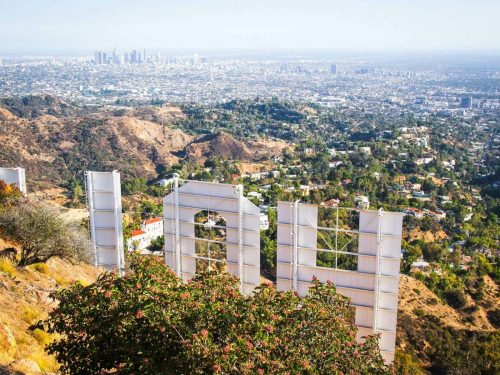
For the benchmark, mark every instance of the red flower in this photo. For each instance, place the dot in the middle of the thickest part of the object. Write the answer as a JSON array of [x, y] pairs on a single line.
[[204, 333], [216, 368], [139, 314]]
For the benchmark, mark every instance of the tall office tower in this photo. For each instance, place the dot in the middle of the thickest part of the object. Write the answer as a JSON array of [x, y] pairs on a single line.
[[333, 68], [144, 55], [114, 56], [98, 57], [139, 58], [104, 58], [127, 57], [196, 59], [133, 57], [466, 102]]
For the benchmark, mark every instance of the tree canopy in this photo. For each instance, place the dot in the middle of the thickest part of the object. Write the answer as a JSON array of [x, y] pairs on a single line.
[[150, 322]]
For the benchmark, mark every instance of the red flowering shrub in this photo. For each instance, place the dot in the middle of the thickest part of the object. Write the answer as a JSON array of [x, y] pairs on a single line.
[[149, 322]]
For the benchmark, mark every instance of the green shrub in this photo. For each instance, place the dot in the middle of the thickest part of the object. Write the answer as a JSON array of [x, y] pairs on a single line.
[[455, 298], [150, 322]]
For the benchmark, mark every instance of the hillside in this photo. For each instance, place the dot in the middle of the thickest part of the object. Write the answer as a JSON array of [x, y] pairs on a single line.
[[226, 146], [431, 331], [139, 142], [26, 292]]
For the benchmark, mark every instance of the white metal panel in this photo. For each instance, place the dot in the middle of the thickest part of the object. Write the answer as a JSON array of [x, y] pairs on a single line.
[[105, 212], [209, 188], [105, 255], [251, 255], [283, 285], [188, 265], [285, 212], [387, 266], [104, 219], [242, 227], [386, 319], [308, 215], [392, 222], [307, 237], [390, 247], [284, 254], [104, 200], [373, 288], [284, 270], [285, 234], [306, 257], [105, 237], [15, 176], [250, 238]]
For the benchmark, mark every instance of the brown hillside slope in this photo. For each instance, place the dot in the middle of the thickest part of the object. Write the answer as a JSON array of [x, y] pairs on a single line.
[[134, 141], [52, 149], [24, 299], [226, 146], [428, 327], [415, 296]]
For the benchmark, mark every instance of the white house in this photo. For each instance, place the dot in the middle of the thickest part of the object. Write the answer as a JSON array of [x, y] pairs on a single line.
[[365, 150], [141, 238], [166, 182], [335, 163], [362, 202], [264, 221], [414, 212], [255, 194]]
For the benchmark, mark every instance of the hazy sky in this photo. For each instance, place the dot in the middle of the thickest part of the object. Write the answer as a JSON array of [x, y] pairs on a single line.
[[86, 25]]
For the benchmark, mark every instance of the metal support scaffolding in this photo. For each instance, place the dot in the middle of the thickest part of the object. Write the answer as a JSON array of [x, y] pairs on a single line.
[[241, 259], [176, 237], [380, 215], [295, 234]]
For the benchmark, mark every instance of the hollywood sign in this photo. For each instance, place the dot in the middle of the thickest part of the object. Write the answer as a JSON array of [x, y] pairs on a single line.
[[363, 262]]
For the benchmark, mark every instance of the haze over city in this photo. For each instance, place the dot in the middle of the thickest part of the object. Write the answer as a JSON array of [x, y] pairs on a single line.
[[59, 26]]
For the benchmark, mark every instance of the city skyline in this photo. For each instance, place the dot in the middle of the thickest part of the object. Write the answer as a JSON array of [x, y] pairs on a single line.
[[361, 25]]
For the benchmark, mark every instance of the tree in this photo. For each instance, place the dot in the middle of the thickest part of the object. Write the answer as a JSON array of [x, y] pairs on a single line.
[[157, 244], [42, 234], [9, 194], [150, 322]]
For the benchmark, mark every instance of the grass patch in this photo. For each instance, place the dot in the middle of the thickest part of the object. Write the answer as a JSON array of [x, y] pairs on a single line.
[[42, 337], [40, 267], [61, 280], [45, 362], [31, 315], [6, 266]]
